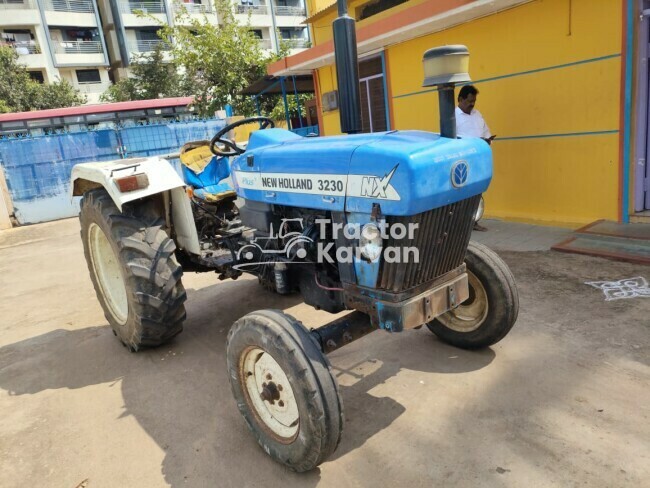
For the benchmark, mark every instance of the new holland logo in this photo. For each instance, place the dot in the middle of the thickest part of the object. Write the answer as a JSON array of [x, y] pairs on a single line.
[[330, 185], [459, 173], [376, 187]]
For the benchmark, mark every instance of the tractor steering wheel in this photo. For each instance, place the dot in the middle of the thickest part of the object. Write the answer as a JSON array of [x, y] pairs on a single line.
[[235, 150]]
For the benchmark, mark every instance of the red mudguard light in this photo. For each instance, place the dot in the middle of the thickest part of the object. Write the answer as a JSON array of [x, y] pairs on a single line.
[[132, 182]]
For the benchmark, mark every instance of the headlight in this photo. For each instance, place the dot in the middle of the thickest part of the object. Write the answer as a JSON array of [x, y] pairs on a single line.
[[479, 211], [370, 242]]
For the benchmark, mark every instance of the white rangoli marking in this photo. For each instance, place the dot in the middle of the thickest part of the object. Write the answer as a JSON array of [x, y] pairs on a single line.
[[627, 288]]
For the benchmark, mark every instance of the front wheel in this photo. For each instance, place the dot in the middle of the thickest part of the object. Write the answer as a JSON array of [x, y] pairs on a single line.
[[284, 389], [491, 309]]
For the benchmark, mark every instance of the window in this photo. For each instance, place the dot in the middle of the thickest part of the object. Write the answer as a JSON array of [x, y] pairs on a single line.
[[88, 76], [37, 76], [32, 124], [292, 33], [73, 119], [147, 35], [257, 33], [375, 7]]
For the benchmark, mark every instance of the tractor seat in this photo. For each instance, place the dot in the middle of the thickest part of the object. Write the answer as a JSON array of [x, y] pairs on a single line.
[[215, 193], [207, 174]]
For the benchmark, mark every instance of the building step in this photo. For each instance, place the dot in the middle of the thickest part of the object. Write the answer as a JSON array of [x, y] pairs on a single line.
[[622, 242], [641, 217]]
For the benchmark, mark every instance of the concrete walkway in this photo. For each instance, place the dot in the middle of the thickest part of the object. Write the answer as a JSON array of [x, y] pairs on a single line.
[[562, 401], [512, 236]]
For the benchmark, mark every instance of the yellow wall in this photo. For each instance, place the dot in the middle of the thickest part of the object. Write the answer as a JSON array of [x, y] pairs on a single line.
[[554, 179], [327, 83]]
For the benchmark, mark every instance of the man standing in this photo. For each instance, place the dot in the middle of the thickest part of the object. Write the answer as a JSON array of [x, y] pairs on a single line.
[[469, 121]]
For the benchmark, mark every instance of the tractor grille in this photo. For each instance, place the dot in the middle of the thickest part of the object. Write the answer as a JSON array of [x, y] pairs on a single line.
[[441, 239]]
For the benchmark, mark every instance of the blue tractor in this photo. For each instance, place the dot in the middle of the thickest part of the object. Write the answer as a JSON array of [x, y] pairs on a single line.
[[377, 224]]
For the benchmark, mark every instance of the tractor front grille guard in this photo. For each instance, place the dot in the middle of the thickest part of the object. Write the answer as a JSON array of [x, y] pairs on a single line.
[[441, 239]]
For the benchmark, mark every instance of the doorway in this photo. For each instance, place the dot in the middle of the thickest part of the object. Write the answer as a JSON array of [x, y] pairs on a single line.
[[373, 95]]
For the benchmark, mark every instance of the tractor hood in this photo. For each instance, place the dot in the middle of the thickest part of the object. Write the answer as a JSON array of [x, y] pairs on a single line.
[[406, 172]]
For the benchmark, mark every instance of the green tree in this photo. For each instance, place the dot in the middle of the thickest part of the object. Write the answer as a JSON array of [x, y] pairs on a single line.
[[151, 77], [216, 61], [59, 93], [212, 63], [19, 93], [16, 87], [278, 113]]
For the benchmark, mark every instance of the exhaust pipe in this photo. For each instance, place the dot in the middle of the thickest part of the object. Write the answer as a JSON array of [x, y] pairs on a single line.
[[444, 67], [347, 70]]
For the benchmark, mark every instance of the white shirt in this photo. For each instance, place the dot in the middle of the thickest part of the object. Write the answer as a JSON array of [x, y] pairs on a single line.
[[471, 125]]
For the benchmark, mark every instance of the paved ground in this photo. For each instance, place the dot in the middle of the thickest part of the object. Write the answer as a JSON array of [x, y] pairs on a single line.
[[562, 401]]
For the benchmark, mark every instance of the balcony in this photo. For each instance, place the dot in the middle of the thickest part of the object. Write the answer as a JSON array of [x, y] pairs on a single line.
[[17, 12], [252, 9], [77, 47], [139, 49], [78, 13], [77, 6], [156, 11], [289, 11], [90, 53], [24, 48], [266, 43], [144, 7], [193, 8], [296, 43], [29, 52]]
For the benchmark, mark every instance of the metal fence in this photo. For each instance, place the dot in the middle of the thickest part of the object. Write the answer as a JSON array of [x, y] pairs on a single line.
[[152, 7], [38, 169], [77, 47], [289, 11], [77, 6], [145, 46], [193, 8], [253, 9]]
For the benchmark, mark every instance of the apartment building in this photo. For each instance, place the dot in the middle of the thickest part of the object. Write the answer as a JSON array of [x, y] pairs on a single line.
[[92, 42], [58, 39]]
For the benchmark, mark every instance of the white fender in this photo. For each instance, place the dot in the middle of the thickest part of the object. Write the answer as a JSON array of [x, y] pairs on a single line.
[[162, 177]]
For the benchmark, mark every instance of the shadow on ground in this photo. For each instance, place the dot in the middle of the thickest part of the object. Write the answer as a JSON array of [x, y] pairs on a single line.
[[181, 396], [182, 388]]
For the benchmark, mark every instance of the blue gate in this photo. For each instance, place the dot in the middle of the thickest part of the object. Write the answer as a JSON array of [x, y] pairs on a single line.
[[38, 169]]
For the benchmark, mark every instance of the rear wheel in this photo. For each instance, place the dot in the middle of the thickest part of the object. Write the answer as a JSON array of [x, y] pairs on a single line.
[[284, 389], [491, 309], [132, 266]]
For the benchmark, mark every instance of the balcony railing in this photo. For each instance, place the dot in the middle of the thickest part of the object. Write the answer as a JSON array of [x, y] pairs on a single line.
[[253, 9], [77, 47], [296, 43], [146, 7], [193, 8], [77, 6], [266, 43], [23, 47], [16, 4], [147, 46], [289, 11]]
